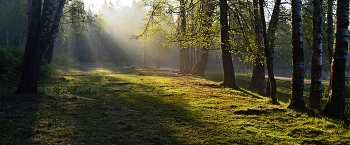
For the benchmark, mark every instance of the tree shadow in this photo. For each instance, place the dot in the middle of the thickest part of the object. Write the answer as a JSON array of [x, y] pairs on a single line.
[[117, 112], [125, 112], [129, 114], [17, 115]]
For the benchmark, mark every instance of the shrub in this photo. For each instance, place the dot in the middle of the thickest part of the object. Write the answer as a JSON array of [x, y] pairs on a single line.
[[10, 64], [10, 60], [10, 69]]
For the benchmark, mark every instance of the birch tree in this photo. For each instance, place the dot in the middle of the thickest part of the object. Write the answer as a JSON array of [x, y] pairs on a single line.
[[335, 106], [316, 88], [297, 99]]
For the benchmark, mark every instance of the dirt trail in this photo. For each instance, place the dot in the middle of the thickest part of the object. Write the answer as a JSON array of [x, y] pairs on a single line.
[[305, 80]]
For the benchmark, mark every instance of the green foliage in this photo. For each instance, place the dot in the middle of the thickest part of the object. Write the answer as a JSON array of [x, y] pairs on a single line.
[[10, 69], [10, 64], [10, 58]]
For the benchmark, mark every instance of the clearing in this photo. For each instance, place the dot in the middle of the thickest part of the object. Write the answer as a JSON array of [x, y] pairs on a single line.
[[145, 106]]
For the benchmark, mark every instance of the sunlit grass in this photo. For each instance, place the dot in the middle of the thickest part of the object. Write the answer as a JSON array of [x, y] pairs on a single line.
[[144, 106]]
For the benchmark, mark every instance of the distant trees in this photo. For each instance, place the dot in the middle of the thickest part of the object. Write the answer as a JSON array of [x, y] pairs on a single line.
[[13, 19]]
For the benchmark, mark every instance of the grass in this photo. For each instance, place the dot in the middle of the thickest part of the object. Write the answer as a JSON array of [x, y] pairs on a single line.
[[143, 106]]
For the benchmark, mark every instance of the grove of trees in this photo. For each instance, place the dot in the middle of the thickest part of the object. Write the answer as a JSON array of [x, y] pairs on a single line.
[[245, 33], [257, 32]]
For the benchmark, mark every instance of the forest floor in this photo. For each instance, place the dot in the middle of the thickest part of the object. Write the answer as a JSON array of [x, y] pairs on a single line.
[[145, 106]]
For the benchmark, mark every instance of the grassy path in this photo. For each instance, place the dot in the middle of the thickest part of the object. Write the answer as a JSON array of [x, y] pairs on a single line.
[[137, 106]]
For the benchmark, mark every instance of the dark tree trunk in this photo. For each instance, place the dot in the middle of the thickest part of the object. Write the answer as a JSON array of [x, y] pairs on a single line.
[[28, 83], [184, 50], [201, 65], [29, 12], [271, 35], [48, 49], [316, 88], [330, 31], [229, 73], [268, 54], [335, 106], [40, 35], [49, 53], [297, 98], [257, 83]]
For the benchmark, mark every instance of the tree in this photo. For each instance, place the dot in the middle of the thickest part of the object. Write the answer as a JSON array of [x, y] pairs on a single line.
[[43, 25], [297, 99], [335, 106], [208, 8], [330, 30], [185, 66], [75, 14], [269, 38], [229, 73], [316, 88], [258, 82]]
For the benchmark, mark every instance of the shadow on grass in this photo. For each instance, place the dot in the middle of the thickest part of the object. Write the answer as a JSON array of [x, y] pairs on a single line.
[[125, 112], [132, 116], [17, 115], [87, 111]]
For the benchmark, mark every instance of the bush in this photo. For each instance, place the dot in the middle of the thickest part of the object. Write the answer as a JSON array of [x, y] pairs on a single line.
[[10, 64], [10, 69], [10, 60]]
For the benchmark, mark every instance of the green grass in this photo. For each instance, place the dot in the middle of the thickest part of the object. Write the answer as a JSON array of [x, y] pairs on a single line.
[[143, 106]]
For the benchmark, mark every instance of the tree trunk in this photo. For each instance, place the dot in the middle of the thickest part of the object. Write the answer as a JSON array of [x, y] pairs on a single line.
[[201, 65], [335, 106], [330, 33], [49, 53], [229, 73], [48, 49], [144, 57], [268, 54], [257, 83], [297, 99], [184, 50], [40, 35], [316, 88], [29, 12]]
